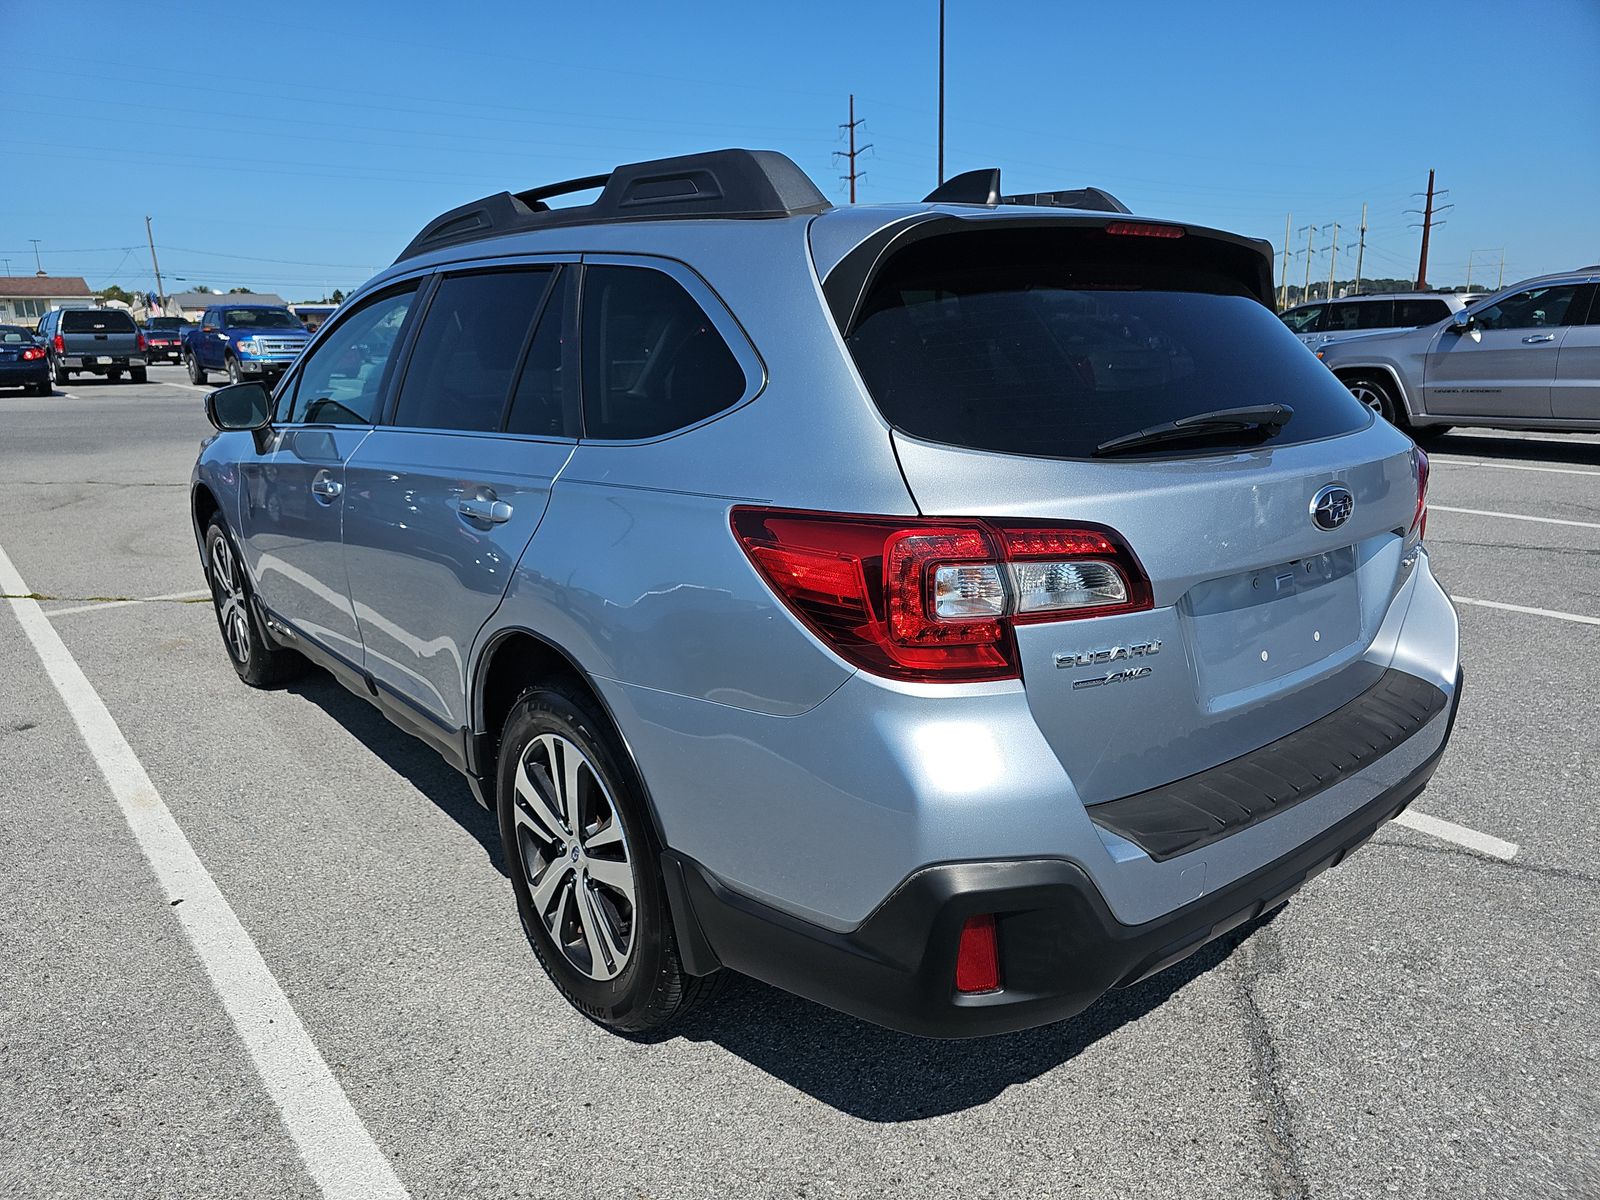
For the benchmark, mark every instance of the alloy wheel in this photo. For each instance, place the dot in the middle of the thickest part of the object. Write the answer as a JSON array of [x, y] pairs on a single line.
[[1369, 396], [229, 596], [574, 856]]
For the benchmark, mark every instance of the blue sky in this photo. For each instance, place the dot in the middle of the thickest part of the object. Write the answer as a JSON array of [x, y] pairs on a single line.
[[297, 147]]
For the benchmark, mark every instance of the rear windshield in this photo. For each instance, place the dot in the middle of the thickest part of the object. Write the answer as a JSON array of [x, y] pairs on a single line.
[[165, 323], [261, 318], [11, 335], [1051, 342], [96, 320]]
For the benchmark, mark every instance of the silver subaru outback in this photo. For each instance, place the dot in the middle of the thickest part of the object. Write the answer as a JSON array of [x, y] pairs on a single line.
[[946, 611]]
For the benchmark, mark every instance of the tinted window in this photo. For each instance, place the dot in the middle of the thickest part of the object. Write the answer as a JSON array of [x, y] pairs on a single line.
[[545, 403], [1304, 320], [96, 320], [1535, 308], [1052, 342], [652, 360], [1420, 312], [1375, 314], [165, 323], [342, 381], [261, 318], [468, 348], [12, 334], [1593, 307]]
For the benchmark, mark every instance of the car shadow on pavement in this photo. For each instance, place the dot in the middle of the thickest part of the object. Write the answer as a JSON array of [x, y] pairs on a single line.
[[1555, 448], [418, 763], [878, 1075]]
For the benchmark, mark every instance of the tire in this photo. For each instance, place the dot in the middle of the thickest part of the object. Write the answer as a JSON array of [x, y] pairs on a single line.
[[257, 661], [60, 375], [197, 373], [235, 375], [1378, 395], [627, 975], [41, 389], [114, 375], [139, 374]]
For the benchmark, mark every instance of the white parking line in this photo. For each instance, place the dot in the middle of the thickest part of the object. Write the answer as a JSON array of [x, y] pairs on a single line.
[[336, 1147], [1483, 512], [1532, 612], [1504, 466], [1449, 831], [102, 605]]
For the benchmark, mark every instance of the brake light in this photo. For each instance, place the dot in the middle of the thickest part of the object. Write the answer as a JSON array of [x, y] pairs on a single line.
[[32, 354], [1144, 229], [935, 600], [138, 341], [61, 344], [978, 956], [1420, 468]]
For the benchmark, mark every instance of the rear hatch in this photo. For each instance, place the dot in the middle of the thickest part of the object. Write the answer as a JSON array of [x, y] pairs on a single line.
[[92, 333], [1015, 364]]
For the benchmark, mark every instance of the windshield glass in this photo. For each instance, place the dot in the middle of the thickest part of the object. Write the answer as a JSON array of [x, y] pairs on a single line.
[[1051, 342], [96, 320], [10, 335], [261, 318]]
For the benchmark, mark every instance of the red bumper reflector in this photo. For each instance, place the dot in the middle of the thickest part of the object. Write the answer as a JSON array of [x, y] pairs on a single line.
[[978, 956]]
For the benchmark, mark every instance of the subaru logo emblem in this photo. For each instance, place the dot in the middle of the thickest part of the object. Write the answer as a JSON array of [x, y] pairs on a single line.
[[1331, 506]]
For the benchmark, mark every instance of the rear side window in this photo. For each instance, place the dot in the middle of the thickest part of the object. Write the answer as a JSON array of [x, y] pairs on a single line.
[[96, 320], [652, 360], [467, 351], [1420, 312], [1375, 314], [1051, 342], [546, 402]]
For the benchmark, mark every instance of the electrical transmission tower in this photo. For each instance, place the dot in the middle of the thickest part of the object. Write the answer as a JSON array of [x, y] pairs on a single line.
[[850, 155], [1430, 219]]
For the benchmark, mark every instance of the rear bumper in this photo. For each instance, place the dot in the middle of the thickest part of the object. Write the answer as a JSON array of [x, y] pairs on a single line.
[[100, 362], [1061, 947], [21, 374]]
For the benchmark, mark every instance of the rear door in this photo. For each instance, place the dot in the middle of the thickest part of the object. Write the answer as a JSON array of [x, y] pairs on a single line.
[[1575, 395], [1505, 364], [1004, 364], [99, 336], [294, 490], [442, 500]]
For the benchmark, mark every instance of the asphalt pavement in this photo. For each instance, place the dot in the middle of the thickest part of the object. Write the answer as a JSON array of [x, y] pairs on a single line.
[[1422, 1021]]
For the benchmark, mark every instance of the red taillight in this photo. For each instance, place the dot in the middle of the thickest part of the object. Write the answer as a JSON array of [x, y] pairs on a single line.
[[1144, 229], [1419, 519], [978, 956], [138, 341], [32, 354], [61, 344], [933, 600]]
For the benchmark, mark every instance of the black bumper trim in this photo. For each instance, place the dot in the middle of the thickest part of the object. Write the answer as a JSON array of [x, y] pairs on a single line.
[[1210, 805], [1060, 946]]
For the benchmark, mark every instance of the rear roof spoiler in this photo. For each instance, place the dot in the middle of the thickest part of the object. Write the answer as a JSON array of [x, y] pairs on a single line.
[[728, 184], [983, 187]]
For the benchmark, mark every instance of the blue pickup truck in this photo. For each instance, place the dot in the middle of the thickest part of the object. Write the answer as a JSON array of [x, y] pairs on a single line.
[[247, 341]]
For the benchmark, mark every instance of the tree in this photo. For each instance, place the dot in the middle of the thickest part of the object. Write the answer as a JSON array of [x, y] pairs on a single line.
[[122, 295], [337, 297], [202, 289], [240, 292]]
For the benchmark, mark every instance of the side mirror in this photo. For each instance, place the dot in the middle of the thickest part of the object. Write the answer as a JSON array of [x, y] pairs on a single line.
[[239, 406], [1461, 322]]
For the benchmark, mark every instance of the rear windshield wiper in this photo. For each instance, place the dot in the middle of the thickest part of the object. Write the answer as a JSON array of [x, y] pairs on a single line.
[[1265, 419]]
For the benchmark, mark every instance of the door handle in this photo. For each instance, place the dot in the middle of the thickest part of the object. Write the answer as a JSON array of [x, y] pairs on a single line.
[[485, 507], [326, 486], [1531, 339]]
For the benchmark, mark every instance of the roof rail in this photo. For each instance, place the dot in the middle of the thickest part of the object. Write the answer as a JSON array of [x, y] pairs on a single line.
[[730, 184], [983, 187]]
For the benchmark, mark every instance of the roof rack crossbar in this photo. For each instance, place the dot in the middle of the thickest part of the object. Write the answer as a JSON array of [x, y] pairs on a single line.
[[726, 184], [983, 187]]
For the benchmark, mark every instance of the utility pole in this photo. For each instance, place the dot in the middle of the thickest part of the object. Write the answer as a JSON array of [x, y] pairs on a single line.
[[36, 261], [1311, 232], [1470, 253], [1361, 248], [1333, 255], [1283, 275], [941, 91], [850, 155], [1501, 282], [1429, 213], [161, 294]]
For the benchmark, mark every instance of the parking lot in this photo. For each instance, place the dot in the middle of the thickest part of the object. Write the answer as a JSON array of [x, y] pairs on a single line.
[[1423, 1021]]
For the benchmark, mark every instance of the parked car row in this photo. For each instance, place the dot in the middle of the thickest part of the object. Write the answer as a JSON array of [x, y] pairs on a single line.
[[1316, 322]]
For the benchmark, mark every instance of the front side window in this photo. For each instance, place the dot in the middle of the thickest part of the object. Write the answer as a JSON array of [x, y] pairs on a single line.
[[468, 348], [1305, 320], [1536, 308], [652, 360], [342, 381]]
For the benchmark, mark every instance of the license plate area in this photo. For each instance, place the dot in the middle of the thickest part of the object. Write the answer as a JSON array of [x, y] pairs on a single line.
[[1259, 626]]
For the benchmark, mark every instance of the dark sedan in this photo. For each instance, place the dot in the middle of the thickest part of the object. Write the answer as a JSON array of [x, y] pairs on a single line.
[[22, 361], [163, 338]]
